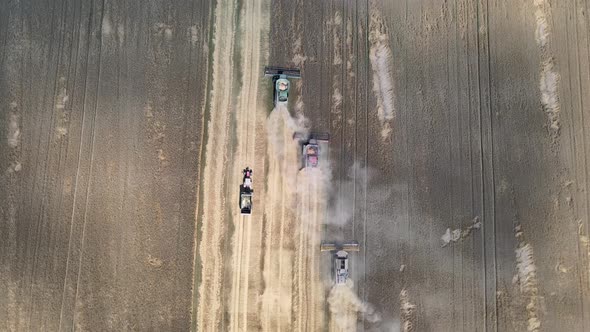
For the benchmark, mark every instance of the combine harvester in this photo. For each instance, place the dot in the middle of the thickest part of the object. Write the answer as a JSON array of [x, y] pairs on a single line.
[[246, 192], [310, 156], [340, 259], [280, 80]]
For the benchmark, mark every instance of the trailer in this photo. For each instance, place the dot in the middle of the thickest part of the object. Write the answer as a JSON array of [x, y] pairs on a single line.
[[246, 192]]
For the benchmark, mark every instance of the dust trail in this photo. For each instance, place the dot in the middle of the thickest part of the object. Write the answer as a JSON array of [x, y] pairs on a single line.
[[381, 64], [13, 136], [293, 297], [542, 30], [351, 53], [549, 94], [341, 211], [526, 278], [345, 306], [336, 100], [61, 101], [336, 39], [107, 28], [309, 301], [407, 312], [8, 218], [549, 78], [280, 123], [276, 300], [584, 239], [458, 234]]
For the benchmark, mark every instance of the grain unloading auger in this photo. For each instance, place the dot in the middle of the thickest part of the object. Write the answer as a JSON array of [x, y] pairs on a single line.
[[280, 79]]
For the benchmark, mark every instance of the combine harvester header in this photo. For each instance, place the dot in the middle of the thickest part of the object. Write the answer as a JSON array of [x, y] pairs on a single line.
[[348, 246], [287, 72]]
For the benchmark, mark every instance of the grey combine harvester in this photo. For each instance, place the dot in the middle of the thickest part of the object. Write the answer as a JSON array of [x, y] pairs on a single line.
[[340, 258]]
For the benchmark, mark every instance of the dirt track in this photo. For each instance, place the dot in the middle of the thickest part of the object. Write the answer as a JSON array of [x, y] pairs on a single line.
[[457, 158]]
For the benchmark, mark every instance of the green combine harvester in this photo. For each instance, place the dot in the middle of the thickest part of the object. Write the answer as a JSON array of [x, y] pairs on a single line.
[[280, 79]]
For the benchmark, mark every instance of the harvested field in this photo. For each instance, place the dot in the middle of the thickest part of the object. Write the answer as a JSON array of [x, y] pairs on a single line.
[[459, 137]]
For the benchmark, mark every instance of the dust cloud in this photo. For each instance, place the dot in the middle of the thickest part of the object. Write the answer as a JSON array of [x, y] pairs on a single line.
[[311, 188], [345, 307], [13, 137], [341, 211], [279, 122], [549, 96], [527, 280], [458, 234], [549, 77], [381, 64], [408, 312]]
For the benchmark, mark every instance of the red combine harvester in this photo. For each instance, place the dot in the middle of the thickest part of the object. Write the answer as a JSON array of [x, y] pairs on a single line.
[[310, 156]]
